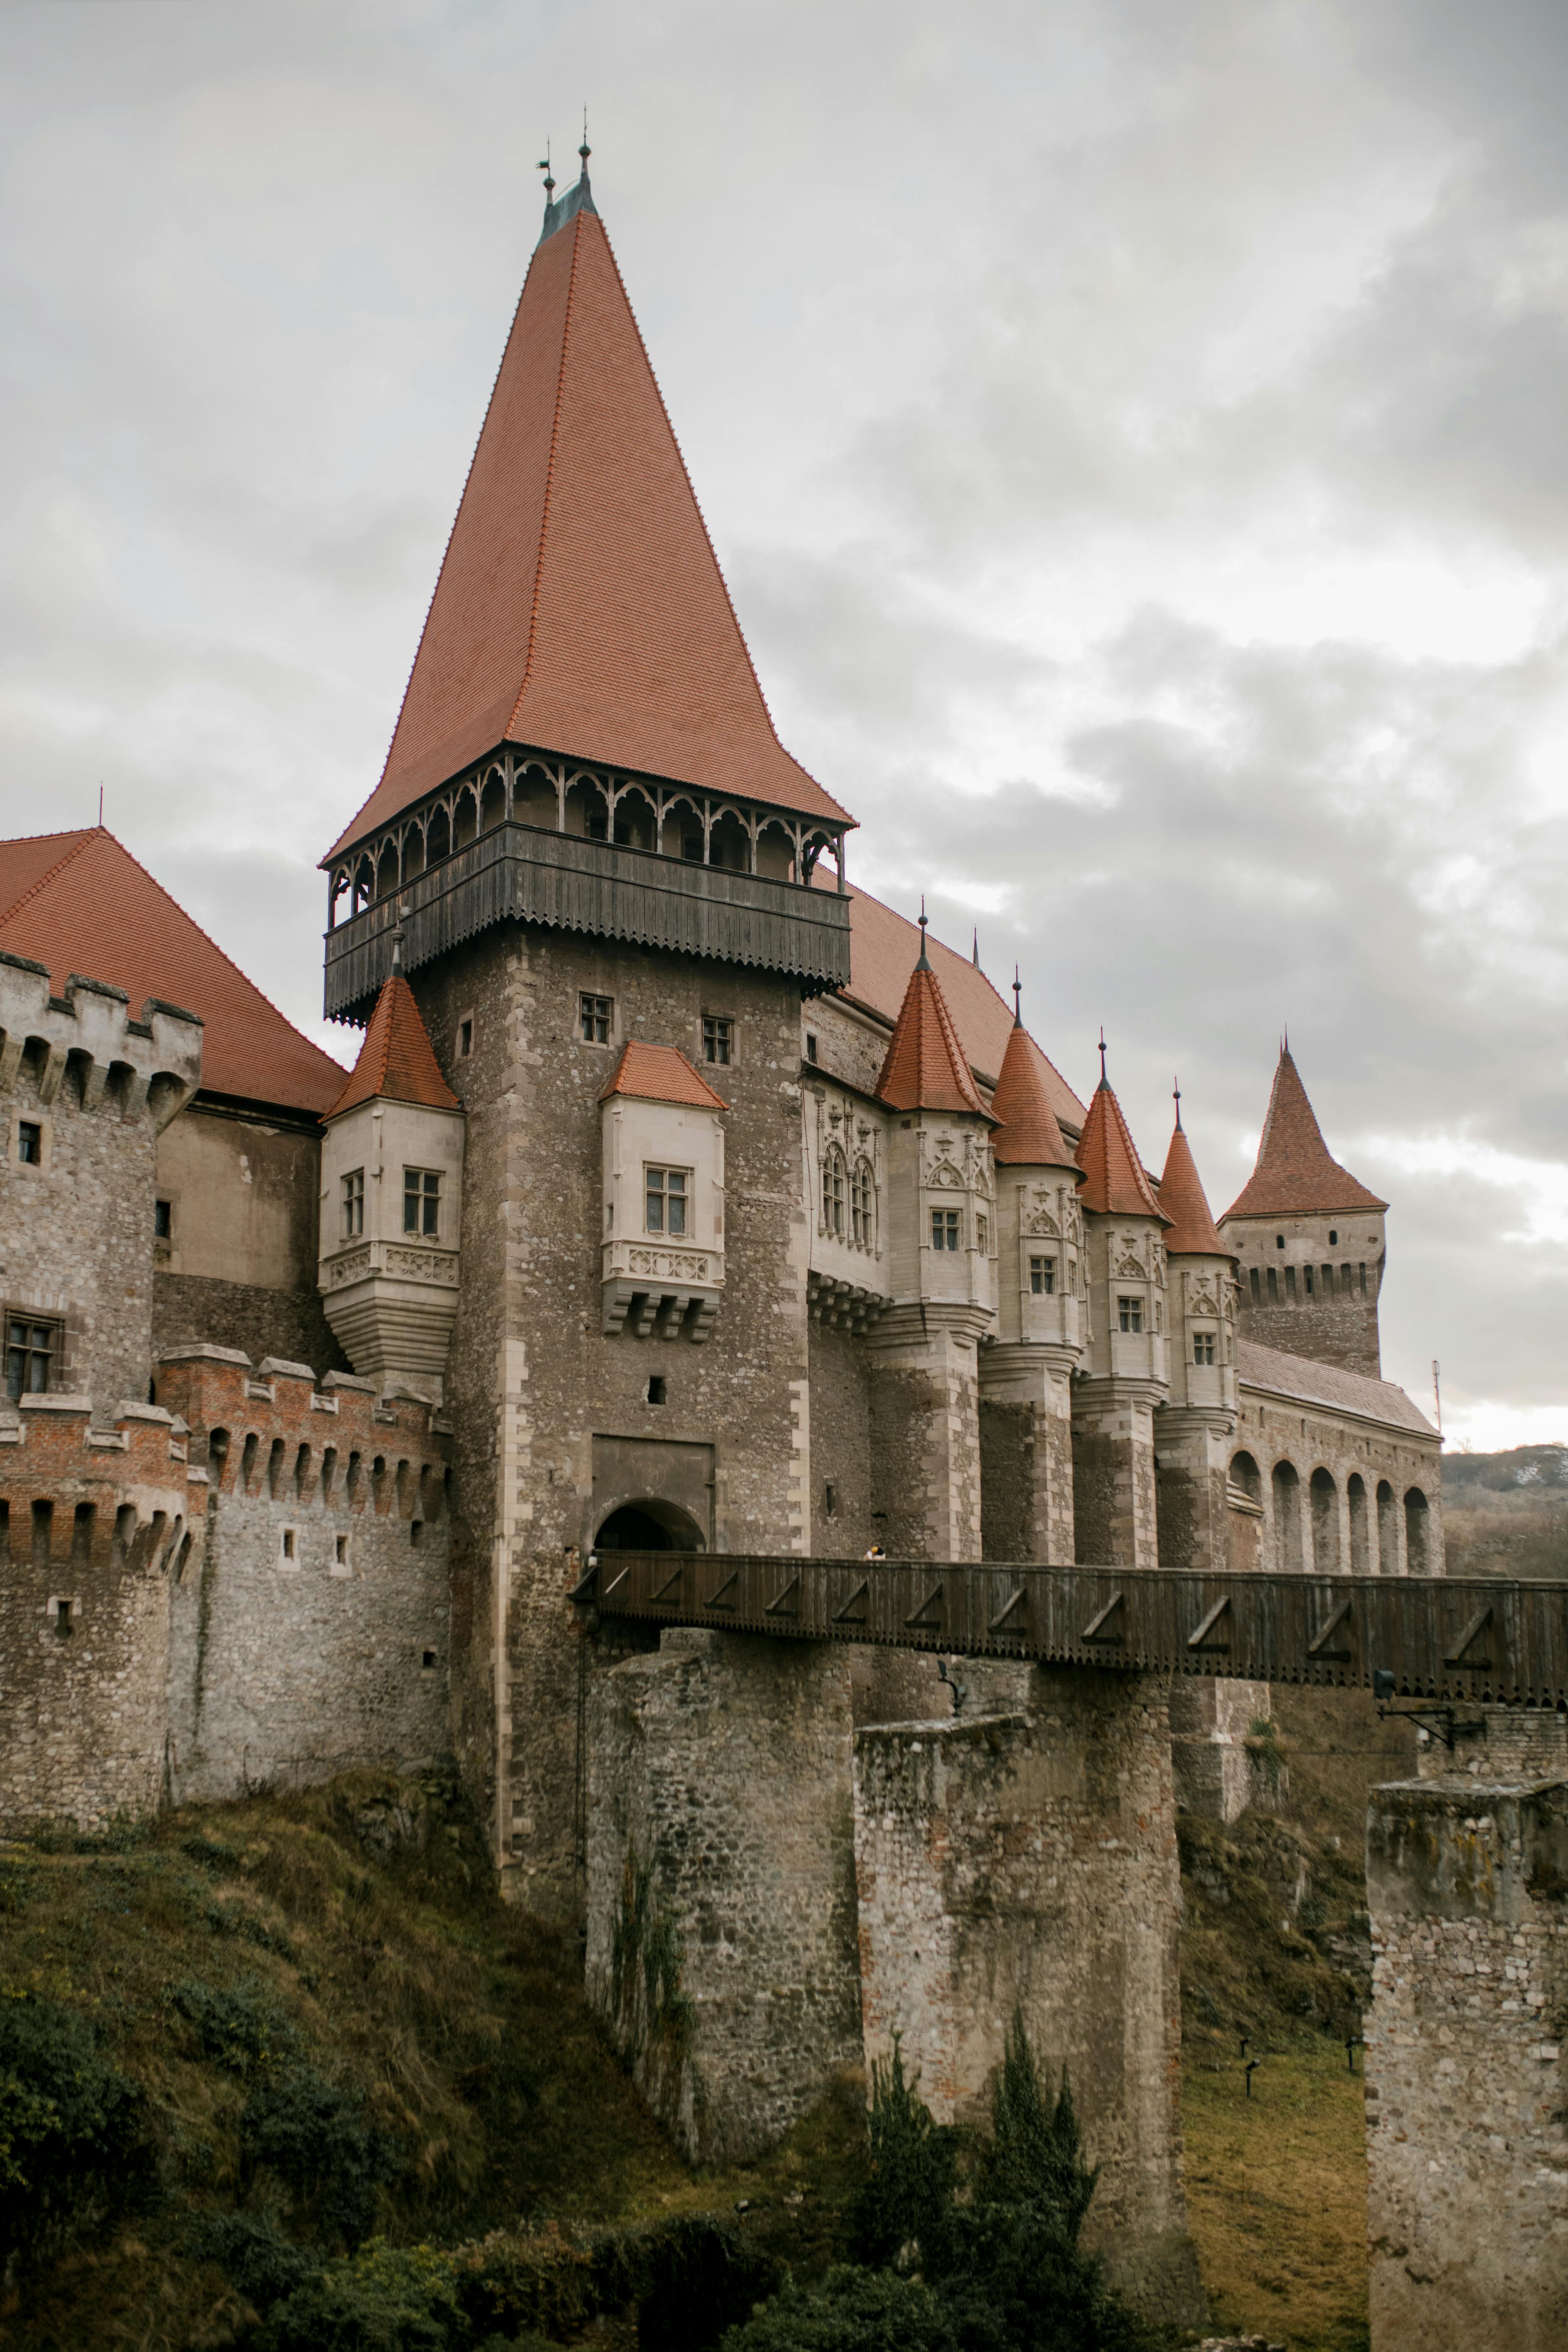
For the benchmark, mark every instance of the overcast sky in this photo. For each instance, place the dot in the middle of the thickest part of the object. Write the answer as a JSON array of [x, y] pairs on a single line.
[[1136, 437]]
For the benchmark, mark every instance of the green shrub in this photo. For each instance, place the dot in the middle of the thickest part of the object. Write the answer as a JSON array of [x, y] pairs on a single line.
[[909, 2186], [851, 2311], [261, 2264], [242, 2029], [74, 2138], [1035, 2156], [386, 2299], [316, 2142], [1013, 2283]]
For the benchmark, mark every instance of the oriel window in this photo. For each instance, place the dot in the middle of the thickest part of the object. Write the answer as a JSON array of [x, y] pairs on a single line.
[[716, 1037], [597, 1015], [1130, 1313], [1202, 1347], [353, 1204], [944, 1229], [29, 1353], [667, 1198], [1042, 1276], [422, 1202]]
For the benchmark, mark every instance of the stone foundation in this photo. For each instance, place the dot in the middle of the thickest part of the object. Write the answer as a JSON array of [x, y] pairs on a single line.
[[1217, 1775]]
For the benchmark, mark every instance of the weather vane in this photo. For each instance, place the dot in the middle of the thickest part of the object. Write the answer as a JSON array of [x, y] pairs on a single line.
[[549, 183]]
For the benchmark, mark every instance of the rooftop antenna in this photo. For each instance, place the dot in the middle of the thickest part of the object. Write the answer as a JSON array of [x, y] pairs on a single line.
[[549, 181], [1102, 1077], [1017, 999], [924, 963], [1177, 1091]]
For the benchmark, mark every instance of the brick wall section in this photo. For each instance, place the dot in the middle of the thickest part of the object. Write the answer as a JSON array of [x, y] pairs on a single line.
[[724, 1884], [1027, 1861], [84, 1606], [1468, 2154], [286, 1662]]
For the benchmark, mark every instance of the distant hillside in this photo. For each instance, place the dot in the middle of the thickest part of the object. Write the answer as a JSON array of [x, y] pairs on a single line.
[[1506, 1514]]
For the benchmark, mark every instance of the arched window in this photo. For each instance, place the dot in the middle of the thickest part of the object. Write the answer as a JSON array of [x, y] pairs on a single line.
[[1417, 1517], [1287, 1516], [437, 836], [1247, 1478], [862, 1199], [833, 1190], [1387, 1530], [464, 818], [493, 801], [1360, 1533], [1325, 1524], [387, 875]]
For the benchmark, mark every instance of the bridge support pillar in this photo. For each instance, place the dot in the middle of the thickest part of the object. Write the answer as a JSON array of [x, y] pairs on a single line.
[[1217, 1775], [1468, 2155], [1026, 1862], [721, 1884]]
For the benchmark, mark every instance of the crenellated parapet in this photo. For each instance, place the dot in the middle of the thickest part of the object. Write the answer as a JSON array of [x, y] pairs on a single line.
[[84, 1046]]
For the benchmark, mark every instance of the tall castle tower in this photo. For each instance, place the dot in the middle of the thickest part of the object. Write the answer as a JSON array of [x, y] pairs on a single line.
[[1309, 1238]]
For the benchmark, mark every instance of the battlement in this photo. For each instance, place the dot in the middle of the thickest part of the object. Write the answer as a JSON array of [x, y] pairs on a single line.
[[85, 1048]]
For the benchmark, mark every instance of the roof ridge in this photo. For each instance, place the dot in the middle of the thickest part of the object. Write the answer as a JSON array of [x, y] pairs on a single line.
[[75, 851], [545, 503]]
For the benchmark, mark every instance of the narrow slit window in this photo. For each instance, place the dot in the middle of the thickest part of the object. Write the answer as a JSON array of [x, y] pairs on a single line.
[[422, 1202], [465, 1040], [353, 1204], [162, 1220], [982, 1235], [1042, 1276]]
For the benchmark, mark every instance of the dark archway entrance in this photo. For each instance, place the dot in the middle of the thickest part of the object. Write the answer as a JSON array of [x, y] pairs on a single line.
[[648, 1527]]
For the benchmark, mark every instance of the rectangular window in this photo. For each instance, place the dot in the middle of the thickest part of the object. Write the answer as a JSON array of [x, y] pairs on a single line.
[[1290, 1283], [810, 1046], [1257, 1288], [1072, 1277], [422, 1202], [162, 1220], [982, 1235], [596, 1014], [715, 1038], [1202, 1347], [944, 1229], [1273, 1287], [1307, 1279], [465, 1040], [1363, 1272], [353, 1204], [29, 1353], [1130, 1313], [667, 1198], [1042, 1276], [29, 1142]]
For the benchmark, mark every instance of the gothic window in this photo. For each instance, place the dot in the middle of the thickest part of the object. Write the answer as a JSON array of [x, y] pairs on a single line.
[[353, 1204], [667, 1198], [1130, 1314], [716, 1037], [1159, 1315], [862, 1227], [944, 1229], [1042, 1276], [29, 1353], [596, 1017], [422, 1202], [1202, 1347], [832, 1192]]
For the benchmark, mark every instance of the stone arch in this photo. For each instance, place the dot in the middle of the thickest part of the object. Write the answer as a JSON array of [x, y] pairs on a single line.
[[635, 821], [464, 818], [492, 800], [535, 799], [1287, 1485], [775, 851], [1247, 1477], [1360, 1529], [438, 834], [681, 832], [1387, 1530], [587, 809], [730, 843], [648, 1525], [1325, 1504], [1417, 1529]]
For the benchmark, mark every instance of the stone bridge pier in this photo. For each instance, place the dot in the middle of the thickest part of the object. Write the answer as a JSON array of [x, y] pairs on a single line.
[[1465, 2088]]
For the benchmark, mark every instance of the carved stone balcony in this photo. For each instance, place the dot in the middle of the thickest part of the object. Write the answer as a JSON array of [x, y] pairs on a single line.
[[663, 1289]]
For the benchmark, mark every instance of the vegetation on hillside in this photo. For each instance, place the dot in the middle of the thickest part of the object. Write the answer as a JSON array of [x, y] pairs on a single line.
[[1506, 1514]]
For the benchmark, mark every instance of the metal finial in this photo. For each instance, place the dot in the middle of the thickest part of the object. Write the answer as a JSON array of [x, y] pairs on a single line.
[[549, 183], [1017, 999], [1177, 1091], [1102, 1077], [975, 957], [924, 963], [584, 151]]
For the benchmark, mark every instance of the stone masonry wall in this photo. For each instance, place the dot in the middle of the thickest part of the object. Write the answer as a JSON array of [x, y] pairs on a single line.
[[1468, 2154], [1026, 1862], [720, 1889], [1114, 1519], [95, 1525], [840, 1447], [188, 1308], [311, 1635], [925, 1433]]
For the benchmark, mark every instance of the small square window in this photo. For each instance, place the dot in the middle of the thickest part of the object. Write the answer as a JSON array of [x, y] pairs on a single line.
[[656, 1391], [353, 1204], [1202, 1347], [716, 1039], [422, 1202], [1130, 1314], [944, 1229], [465, 1039], [1042, 1276], [427, 1661], [597, 1018], [162, 1220], [30, 1141], [667, 1198]]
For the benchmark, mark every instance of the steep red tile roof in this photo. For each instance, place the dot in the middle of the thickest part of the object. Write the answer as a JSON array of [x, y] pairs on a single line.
[[1116, 1185], [659, 1074], [398, 1060], [79, 902], [1294, 1174], [925, 1067], [882, 947], [1182, 1198], [1029, 1136], [580, 607]]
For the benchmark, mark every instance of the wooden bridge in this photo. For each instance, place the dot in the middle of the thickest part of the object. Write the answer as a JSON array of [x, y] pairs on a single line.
[[1474, 1639]]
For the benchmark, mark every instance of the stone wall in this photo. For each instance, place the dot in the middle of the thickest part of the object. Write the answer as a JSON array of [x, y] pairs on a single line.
[[1026, 1862], [95, 1526], [1356, 1535], [925, 1432], [311, 1635], [1468, 2154], [192, 1309], [720, 1894], [1114, 1520], [839, 1408]]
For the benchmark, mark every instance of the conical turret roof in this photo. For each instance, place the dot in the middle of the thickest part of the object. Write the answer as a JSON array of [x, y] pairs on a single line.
[[925, 1069], [1028, 1135], [1294, 1175], [1115, 1183], [397, 1061], [580, 607], [1182, 1198]]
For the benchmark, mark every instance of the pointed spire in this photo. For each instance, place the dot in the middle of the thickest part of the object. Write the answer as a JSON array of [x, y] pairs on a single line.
[[1294, 1174], [1028, 1136], [1182, 1198], [396, 1061], [925, 1067], [580, 607], [1116, 1185]]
